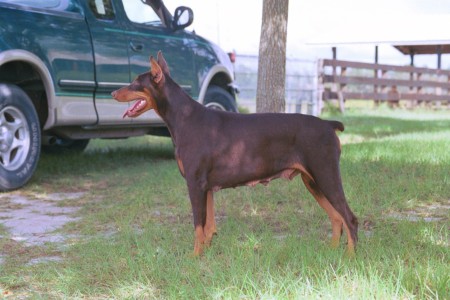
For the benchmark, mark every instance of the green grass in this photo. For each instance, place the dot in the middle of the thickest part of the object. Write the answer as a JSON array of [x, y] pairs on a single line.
[[136, 236]]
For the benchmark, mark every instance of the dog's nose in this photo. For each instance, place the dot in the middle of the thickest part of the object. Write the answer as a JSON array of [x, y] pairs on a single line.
[[113, 94]]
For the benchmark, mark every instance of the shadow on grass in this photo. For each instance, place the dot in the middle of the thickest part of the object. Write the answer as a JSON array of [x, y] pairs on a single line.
[[107, 156]]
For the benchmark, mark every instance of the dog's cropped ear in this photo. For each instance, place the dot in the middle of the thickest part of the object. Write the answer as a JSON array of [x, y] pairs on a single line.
[[162, 63], [155, 70]]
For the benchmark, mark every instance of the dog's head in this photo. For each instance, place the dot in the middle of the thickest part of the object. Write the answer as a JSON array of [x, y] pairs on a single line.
[[145, 89]]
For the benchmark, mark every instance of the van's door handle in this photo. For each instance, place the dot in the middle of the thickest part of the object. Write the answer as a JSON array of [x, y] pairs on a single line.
[[136, 47]]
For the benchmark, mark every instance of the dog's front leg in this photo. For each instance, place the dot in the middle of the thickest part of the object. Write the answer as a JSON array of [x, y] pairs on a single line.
[[198, 202], [210, 224]]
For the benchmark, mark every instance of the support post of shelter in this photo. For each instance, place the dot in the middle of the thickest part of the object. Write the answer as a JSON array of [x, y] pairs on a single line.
[[375, 75], [439, 55], [333, 50]]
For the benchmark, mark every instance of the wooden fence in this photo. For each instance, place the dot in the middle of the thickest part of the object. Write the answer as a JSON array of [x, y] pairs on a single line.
[[343, 80]]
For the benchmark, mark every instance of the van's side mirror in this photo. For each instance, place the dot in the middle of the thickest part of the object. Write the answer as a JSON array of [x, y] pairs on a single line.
[[183, 17]]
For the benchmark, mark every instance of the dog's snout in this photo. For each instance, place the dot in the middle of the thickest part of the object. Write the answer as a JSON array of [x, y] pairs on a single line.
[[113, 94]]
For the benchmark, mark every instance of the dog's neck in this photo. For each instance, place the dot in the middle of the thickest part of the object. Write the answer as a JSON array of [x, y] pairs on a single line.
[[177, 107]]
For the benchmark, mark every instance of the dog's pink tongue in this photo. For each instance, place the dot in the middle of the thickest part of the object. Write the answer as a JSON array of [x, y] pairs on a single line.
[[134, 110]]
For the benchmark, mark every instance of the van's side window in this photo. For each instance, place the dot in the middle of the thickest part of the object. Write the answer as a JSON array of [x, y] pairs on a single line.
[[139, 12], [102, 9]]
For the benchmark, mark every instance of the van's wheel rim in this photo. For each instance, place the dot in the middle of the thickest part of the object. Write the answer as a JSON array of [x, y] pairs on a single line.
[[14, 138], [215, 105]]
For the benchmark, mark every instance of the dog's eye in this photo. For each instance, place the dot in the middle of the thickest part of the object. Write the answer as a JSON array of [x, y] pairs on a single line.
[[135, 86]]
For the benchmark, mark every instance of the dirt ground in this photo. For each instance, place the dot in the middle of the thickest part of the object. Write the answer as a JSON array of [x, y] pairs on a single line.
[[34, 220]]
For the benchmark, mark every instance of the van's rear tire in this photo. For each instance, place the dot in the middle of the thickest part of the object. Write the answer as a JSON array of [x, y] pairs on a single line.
[[20, 138], [63, 146]]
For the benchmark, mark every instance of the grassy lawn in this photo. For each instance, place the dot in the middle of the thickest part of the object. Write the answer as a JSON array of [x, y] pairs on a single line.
[[135, 236]]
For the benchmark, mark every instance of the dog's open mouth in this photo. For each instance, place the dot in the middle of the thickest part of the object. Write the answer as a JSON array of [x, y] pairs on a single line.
[[135, 109]]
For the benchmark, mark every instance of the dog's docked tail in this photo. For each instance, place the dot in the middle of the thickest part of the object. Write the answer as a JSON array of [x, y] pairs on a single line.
[[337, 125]]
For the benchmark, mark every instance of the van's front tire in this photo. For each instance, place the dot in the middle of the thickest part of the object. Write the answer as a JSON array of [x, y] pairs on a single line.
[[20, 138], [219, 99]]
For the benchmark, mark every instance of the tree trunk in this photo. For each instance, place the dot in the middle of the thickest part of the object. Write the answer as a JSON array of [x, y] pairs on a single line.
[[270, 93]]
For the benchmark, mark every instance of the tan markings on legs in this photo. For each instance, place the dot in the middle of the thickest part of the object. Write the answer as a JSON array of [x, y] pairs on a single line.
[[337, 221], [199, 240], [210, 225], [333, 215], [350, 242], [335, 218], [180, 166]]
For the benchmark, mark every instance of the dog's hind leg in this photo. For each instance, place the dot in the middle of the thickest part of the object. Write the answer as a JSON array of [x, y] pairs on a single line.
[[333, 215], [210, 224], [329, 183]]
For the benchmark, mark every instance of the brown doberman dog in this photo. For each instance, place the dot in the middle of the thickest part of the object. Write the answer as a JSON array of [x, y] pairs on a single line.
[[217, 150]]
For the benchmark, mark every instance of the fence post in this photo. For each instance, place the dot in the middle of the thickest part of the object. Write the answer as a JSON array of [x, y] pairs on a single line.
[[375, 87], [341, 91], [341, 102], [419, 89], [448, 91], [383, 88], [438, 91], [411, 89]]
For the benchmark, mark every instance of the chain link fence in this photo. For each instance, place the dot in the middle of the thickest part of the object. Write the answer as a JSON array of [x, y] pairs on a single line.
[[301, 84]]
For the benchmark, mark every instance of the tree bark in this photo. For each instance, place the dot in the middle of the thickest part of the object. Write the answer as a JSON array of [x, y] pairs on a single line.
[[270, 93]]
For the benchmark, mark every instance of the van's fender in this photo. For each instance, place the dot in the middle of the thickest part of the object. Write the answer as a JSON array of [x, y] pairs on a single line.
[[30, 58], [217, 69]]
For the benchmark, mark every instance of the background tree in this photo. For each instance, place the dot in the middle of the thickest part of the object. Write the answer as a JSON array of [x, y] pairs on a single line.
[[270, 93]]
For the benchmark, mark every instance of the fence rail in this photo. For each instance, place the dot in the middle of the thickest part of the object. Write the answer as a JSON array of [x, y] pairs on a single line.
[[343, 80]]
